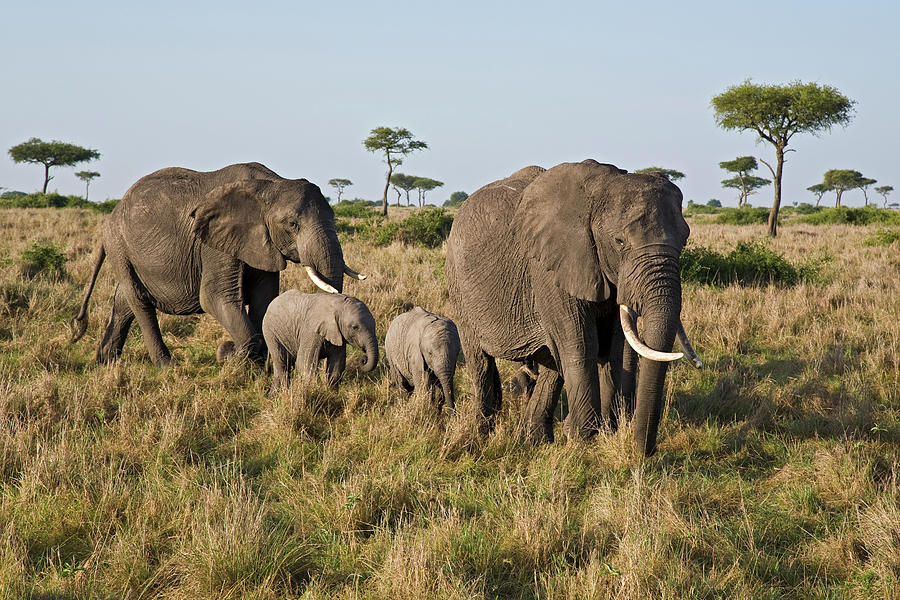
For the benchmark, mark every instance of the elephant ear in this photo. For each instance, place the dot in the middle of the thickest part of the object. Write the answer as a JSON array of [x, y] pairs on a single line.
[[329, 330], [231, 218], [555, 222]]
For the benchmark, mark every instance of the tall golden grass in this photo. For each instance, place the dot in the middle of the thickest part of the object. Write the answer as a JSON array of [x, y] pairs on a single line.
[[776, 475]]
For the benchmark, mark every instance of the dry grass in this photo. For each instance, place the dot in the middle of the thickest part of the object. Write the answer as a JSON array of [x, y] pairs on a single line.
[[776, 475]]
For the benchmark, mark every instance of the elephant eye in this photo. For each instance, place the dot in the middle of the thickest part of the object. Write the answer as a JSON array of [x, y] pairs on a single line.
[[619, 241]]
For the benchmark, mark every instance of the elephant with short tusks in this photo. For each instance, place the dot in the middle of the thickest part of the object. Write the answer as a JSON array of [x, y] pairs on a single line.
[[303, 329], [185, 242], [422, 349], [551, 268]]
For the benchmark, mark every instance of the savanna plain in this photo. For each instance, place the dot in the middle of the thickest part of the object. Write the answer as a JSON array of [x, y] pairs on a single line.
[[776, 475]]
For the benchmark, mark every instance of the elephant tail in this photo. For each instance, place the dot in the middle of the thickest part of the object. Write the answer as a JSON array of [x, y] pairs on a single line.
[[79, 323]]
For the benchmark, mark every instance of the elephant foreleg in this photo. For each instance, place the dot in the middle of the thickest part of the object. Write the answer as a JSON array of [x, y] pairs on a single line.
[[280, 368], [541, 405], [335, 363], [220, 296], [482, 369]]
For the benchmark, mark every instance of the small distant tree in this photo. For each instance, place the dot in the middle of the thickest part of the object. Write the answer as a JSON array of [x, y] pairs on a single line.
[[672, 174], [713, 203], [863, 184], [456, 199], [86, 177], [51, 154], [778, 112], [404, 182], [426, 184], [819, 190], [398, 194], [394, 143], [339, 185], [884, 191], [743, 167], [841, 180]]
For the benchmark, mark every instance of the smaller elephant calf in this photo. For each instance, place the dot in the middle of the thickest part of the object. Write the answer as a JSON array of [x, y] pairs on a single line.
[[305, 328], [422, 348]]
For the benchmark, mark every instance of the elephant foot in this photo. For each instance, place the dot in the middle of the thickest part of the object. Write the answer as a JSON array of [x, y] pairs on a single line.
[[163, 360]]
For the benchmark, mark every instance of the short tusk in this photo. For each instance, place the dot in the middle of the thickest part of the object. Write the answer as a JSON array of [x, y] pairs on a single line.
[[628, 319], [324, 285], [685, 344], [353, 273]]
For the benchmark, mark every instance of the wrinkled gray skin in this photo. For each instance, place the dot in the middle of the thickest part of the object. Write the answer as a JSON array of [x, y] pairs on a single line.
[[302, 329], [422, 349], [185, 242], [536, 265]]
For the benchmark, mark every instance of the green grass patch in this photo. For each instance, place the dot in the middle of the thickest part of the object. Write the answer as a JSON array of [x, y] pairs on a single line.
[[43, 257], [883, 237], [359, 209], [841, 215], [750, 263]]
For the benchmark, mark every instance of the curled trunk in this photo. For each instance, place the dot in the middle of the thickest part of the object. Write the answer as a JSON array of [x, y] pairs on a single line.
[[370, 347]]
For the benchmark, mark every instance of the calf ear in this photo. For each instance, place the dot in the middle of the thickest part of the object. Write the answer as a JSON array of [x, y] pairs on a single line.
[[329, 330], [554, 220], [231, 218]]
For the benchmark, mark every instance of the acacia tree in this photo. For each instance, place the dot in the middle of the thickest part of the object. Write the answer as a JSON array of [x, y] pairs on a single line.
[[405, 183], [864, 184], [339, 185], [394, 143], [426, 184], [883, 191], [743, 181], [51, 154], [841, 180], [672, 174], [86, 177], [778, 112], [819, 190]]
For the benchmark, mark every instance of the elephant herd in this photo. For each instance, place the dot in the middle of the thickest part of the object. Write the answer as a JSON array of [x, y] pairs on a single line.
[[550, 268]]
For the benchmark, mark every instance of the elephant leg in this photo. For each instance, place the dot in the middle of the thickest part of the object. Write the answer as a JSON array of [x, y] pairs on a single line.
[[120, 320], [609, 397], [281, 366], [482, 369], [542, 405], [220, 296], [260, 288], [400, 381], [307, 361], [335, 363], [145, 314]]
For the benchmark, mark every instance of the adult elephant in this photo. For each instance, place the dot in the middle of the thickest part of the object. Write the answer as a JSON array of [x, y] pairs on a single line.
[[185, 242], [538, 266]]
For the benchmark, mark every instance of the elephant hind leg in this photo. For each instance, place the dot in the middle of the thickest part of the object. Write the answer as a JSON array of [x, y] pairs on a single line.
[[117, 327], [541, 405]]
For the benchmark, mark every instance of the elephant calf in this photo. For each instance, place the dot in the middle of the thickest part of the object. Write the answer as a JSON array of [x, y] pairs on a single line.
[[422, 348], [305, 328]]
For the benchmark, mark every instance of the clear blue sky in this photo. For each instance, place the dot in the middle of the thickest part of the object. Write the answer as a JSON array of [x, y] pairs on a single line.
[[490, 86]]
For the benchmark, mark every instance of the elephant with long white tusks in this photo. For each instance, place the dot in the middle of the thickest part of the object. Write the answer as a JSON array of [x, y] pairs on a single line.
[[422, 349], [303, 329], [554, 268], [185, 242]]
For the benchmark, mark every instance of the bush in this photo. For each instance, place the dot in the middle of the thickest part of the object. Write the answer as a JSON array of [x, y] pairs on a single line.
[[427, 227], [700, 209], [353, 208], [841, 215], [883, 237], [43, 257], [750, 263], [746, 215], [53, 200], [456, 199]]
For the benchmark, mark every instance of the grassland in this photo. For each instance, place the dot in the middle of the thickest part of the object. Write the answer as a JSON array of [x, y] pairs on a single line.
[[776, 475]]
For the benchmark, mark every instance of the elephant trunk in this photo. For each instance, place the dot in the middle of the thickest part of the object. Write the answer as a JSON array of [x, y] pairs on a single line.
[[320, 254], [370, 347], [445, 377], [660, 310]]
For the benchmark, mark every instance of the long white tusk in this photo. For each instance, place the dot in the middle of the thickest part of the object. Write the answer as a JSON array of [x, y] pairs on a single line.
[[628, 319], [686, 346], [319, 281], [353, 273]]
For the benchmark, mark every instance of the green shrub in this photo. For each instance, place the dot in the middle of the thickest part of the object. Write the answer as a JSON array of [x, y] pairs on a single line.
[[746, 215], [700, 209], [883, 237], [43, 257], [842, 215], [353, 208], [750, 263], [426, 227], [104, 207], [54, 200]]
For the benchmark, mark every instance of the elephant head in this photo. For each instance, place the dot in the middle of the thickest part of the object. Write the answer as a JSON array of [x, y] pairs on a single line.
[[265, 223], [350, 320], [605, 236]]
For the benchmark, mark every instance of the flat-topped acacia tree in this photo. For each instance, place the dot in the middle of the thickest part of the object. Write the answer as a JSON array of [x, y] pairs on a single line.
[[394, 142], [339, 184], [778, 112], [50, 154]]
